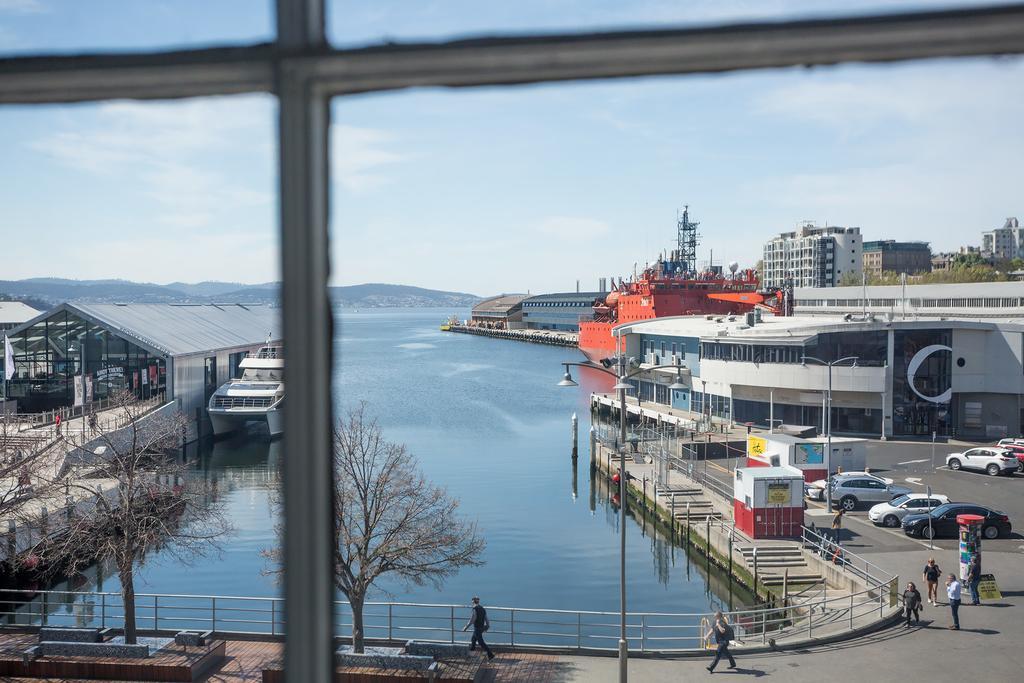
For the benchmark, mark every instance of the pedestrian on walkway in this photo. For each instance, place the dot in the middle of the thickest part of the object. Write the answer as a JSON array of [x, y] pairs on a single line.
[[912, 603], [723, 633], [837, 523], [974, 578], [478, 620], [953, 591], [931, 576]]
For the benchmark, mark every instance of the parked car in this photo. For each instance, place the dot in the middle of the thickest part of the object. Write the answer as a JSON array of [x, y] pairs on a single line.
[[891, 514], [816, 489], [995, 461], [1016, 447], [944, 523], [849, 492]]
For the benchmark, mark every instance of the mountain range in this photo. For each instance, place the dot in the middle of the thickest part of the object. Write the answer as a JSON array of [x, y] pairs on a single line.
[[52, 291]]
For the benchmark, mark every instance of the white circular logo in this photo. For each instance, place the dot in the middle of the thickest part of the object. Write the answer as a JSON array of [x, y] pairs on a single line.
[[916, 362]]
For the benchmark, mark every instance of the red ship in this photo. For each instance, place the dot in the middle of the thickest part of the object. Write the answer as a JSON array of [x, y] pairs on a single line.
[[672, 286]]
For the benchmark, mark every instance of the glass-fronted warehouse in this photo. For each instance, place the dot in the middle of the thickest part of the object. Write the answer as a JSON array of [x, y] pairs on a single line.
[[77, 353], [50, 352]]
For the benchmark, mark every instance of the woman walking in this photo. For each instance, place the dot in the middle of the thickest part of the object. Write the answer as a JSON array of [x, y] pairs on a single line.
[[912, 603], [931, 576]]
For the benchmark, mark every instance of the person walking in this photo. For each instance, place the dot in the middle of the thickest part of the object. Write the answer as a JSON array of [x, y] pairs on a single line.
[[912, 603], [478, 620], [953, 592], [837, 523], [723, 633], [974, 578], [931, 576]]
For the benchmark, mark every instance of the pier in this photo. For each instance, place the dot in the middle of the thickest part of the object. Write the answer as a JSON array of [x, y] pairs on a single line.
[[810, 589], [551, 337]]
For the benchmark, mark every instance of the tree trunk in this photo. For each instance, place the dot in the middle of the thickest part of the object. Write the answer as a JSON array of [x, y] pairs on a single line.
[[126, 574], [356, 602]]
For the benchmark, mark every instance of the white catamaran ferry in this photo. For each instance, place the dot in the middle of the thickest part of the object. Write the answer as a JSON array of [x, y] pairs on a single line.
[[254, 397]]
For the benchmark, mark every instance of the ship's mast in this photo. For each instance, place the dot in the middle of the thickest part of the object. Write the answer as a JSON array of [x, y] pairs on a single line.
[[686, 241]]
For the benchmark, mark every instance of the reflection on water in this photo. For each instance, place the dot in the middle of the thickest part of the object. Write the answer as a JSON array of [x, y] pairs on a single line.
[[486, 420]]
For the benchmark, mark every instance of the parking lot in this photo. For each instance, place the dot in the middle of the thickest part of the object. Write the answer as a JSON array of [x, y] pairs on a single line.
[[912, 464]]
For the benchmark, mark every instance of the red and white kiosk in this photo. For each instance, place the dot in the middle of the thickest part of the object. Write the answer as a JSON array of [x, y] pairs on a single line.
[[806, 454], [768, 502]]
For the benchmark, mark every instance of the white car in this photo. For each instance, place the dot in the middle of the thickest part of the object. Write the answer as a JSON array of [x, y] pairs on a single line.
[[891, 514], [995, 461], [816, 489]]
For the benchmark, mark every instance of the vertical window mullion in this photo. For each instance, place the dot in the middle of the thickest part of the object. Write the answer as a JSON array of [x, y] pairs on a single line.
[[304, 118]]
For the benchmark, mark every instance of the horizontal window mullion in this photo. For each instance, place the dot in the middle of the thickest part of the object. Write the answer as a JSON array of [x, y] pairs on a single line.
[[497, 61]]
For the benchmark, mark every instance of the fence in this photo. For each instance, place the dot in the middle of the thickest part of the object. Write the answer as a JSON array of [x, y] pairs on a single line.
[[49, 417], [572, 630]]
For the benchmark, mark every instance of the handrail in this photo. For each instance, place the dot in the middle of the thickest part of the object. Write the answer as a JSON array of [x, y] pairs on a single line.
[[534, 628]]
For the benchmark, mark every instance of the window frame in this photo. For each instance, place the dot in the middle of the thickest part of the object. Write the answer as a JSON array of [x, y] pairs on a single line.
[[305, 72]]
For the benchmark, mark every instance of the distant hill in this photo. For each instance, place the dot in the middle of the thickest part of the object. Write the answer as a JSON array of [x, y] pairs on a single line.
[[52, 291]]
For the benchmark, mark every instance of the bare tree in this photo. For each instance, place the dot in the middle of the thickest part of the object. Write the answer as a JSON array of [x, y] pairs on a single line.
[[130, 494], [389, 519]]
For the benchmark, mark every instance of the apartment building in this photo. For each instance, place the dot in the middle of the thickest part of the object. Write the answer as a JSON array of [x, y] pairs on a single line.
[[813, 256], [1004, 243]]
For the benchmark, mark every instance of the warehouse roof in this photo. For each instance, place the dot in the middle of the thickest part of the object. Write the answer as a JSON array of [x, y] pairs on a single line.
[[502, 303], [16, 312], [180, 329]]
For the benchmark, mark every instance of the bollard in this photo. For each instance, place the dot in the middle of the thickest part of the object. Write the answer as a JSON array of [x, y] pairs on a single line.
[[575, 436], [687, 524]]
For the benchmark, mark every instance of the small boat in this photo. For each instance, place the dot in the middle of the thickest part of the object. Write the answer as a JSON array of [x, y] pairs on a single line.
[[256, 396]]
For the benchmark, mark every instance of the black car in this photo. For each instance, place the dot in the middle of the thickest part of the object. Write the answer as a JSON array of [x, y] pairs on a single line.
[[996, 523]]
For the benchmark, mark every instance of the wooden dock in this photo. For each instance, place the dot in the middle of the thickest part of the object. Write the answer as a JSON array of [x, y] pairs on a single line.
[[550, 337]]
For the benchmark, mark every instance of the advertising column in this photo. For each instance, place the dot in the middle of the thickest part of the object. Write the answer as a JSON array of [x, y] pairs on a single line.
[[970, 542]]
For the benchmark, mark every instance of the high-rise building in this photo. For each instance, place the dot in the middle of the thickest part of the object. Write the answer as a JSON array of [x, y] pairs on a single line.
[[1004, 243], [897, 257], [813, 256]]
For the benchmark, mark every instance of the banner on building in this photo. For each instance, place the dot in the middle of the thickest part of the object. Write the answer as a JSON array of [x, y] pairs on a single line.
[[79, 390], [8, 358], [756, 445], [88, 389]]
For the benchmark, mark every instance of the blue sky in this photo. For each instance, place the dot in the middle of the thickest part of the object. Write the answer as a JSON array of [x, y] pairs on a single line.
[[501, 189]]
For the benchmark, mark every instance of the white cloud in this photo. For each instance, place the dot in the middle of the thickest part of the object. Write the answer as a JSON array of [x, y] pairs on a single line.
[[23, 7], [358, 154], [171, 153]]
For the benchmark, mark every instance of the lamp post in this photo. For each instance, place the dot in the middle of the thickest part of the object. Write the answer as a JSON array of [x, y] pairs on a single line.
[[622, 386], [828, 420]]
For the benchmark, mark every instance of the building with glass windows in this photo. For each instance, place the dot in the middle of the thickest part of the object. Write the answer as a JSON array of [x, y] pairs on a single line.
[[957, 378], [184, 351], [559, 311]]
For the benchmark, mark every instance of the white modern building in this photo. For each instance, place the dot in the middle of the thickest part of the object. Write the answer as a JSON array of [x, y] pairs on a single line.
[[963, 300], [14, 313], [812, 256], [962, 378], [1004, 243]]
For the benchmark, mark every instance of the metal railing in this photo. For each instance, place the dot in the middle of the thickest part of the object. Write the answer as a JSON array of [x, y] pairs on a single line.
[[571, 630], [821, 544]]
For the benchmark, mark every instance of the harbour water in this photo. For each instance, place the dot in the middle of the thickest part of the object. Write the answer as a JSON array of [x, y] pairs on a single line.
[[487, 421]]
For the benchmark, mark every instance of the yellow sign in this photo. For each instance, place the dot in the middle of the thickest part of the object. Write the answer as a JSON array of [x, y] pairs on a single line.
[[756, 446], [987, 588], [778, 494]]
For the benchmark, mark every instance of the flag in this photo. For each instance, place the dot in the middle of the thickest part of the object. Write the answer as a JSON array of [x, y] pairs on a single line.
[[8, 358]]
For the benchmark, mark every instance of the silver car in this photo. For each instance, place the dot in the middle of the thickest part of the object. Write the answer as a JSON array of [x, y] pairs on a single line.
[[849, 492]]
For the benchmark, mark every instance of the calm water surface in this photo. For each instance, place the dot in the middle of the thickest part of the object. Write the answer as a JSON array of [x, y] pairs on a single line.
[[486, 421]]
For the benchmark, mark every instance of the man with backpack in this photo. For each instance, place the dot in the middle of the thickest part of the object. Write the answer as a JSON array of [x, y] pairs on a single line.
[[478, 620], [723, 633]]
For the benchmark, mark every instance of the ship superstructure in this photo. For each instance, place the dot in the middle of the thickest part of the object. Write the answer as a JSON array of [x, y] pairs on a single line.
[[256, 396], [672, 286]]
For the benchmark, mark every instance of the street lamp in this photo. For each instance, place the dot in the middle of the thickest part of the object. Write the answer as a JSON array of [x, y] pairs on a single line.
[[622, 386], [828, 420]]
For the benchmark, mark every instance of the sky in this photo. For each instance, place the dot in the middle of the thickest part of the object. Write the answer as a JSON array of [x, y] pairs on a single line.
[[526, 188]]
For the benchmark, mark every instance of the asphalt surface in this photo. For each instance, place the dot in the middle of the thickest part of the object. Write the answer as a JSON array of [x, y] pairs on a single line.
[[985, 649], [910, 464]]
